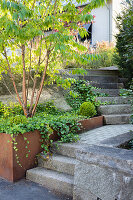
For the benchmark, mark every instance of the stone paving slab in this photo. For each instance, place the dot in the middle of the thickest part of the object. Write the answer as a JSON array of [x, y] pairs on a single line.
[[26, 190], [98, 135]]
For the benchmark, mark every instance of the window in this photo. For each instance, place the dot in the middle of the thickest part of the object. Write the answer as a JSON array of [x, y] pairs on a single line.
[[88, 27]]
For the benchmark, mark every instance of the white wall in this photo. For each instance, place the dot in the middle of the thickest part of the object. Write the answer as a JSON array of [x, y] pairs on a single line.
[[100, 29]]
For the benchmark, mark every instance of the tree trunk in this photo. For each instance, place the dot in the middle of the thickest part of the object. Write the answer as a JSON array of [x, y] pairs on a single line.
[[41, 86]]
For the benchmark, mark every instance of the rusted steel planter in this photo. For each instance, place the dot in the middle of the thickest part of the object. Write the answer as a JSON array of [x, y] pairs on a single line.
[[92, 123], [10, 169]]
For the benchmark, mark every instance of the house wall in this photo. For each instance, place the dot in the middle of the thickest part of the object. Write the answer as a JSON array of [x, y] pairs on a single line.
[[104, 28], [100, 29]]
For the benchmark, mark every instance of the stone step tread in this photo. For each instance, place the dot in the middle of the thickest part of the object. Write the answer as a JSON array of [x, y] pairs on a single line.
[[106, 85], [118, 115], [59, 182], [100, 79], [114, 100], [119, 105], [58, 163], [61, 158], [116, 106], [65, 149], [109, 92], [51, 174]]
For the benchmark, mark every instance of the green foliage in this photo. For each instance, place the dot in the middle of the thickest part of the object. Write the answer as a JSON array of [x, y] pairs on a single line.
[[17, 119], [12, 109], [124, 42], [47, 107], [80, 92], [47, 119], [87, 109], [105, 59], [103, 55], [24, 27]]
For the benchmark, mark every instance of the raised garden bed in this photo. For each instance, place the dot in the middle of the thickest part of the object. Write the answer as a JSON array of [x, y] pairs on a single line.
[[92, 123], [10, 169]]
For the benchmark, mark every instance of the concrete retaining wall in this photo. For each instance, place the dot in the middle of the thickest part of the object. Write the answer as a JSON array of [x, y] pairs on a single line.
[[103, 173]]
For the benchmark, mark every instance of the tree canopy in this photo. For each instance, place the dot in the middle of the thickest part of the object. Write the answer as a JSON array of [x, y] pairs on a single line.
[[39, 37]]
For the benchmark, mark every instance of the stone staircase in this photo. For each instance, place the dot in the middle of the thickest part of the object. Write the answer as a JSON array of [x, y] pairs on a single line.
[[56, 173], [115, 109]]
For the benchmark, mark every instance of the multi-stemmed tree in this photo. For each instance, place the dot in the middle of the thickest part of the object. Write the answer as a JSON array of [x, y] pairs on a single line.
[[39, 37]]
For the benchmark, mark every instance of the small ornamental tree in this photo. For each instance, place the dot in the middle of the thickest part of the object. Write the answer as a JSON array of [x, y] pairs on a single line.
[[38, 35]]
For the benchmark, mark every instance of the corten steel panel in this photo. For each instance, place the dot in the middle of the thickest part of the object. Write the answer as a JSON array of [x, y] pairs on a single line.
[[9, 168], [6, 157], [91, 123]]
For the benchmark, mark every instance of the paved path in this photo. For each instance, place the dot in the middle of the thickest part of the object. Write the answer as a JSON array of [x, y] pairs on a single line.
[[98, 135], [25, 190]]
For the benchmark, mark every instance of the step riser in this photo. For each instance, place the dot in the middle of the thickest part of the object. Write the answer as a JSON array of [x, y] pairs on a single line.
[[113, 100], [109, 92], [107, 85], [110, 120], [56, 165], [100, 79], [114, 109], [94, 72], [55, 185]]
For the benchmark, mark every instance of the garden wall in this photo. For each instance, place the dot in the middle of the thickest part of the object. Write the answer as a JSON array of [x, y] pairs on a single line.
[[103, 173]]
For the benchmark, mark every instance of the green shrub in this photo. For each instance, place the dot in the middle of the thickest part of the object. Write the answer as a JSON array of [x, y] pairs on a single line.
[[18, 119], [87, 109], [124, 43]]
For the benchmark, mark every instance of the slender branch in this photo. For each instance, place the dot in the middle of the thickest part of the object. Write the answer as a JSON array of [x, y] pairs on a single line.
[[12, 77], [35, 81], [4, 82], [24, 78], [33, 4], [41, 85], [29, 71]]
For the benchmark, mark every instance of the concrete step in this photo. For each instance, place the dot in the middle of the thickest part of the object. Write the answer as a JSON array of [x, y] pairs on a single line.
[[107, 85], [58, 163], [114, 100], [109, 92], [93, 72], [100, 79], [117, 119], [115, 109], [55, 181], [65, 149]]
